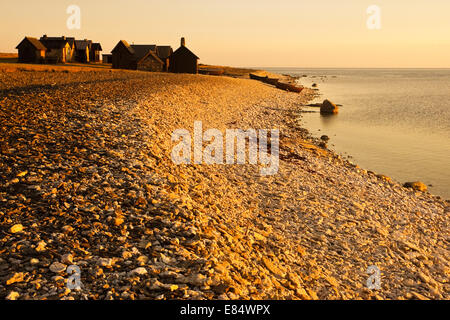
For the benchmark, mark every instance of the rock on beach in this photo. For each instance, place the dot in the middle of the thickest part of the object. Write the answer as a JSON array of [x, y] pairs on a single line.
[[417, 185], [328, 107]]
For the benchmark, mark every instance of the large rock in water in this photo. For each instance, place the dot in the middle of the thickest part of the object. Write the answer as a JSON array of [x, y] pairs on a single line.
[[418, 186], [329, 107]]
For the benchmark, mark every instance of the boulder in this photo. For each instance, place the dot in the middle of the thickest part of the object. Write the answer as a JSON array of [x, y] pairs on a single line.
[[329, 107], [418, 186], [16, 228], [67, 259], [383, 177], [138, 271], [13, 295], [57, 267]]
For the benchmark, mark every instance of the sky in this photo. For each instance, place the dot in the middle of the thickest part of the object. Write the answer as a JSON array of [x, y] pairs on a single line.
[[252, 33]]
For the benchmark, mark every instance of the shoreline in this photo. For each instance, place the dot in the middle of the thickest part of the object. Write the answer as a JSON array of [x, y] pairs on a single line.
[[347, 145], [100, 186], [347, 157]]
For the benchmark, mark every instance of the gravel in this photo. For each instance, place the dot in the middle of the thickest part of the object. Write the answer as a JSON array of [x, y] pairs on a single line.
[[86, 178]]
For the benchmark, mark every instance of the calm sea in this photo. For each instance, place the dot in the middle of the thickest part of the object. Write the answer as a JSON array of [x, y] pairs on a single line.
[[393, 121]]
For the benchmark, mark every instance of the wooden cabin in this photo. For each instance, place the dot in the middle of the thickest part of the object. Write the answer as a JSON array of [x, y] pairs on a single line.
[[82, 50], [164, 53], [31, 50], [122, 55], [59, 49], [107, 58], [94, 52], [136, 57], [183, 60]]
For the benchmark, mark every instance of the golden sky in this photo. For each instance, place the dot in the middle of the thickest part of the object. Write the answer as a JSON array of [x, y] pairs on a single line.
[[259, 33]]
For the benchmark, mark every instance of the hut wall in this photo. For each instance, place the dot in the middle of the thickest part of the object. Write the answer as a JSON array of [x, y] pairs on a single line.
[[150, 64], [94, 56], [87, 54], [29, 54], [56, 55], [182, 63], [122, 59], [107, 58], [166, 64], [70, 53], [82, 55], [41, 56]]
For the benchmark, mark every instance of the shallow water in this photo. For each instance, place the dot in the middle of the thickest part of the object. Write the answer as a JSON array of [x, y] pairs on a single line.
[[393, 121]]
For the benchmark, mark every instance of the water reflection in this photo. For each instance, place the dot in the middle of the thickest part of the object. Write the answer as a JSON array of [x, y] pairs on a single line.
[[328, 120]]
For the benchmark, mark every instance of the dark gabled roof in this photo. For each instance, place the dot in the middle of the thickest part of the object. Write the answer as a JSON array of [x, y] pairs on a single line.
[[151, 54], [164, 51], [54, 42], [185, 51], [141, 50], [34, 42], [124, 44], [96, 47], [82, 44]]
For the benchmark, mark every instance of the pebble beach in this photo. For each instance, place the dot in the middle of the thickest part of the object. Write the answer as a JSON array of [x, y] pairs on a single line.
[[87, 179]]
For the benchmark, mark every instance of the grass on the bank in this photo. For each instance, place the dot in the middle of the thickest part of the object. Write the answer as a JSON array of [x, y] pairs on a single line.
[[9, 63]]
